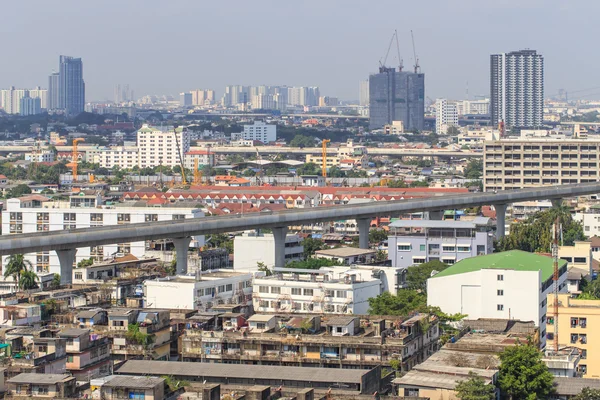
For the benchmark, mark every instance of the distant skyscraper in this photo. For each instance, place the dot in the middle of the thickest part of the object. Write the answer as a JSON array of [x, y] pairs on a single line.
[[446, 115], [71, 85], [363, 93], [517, 88], [53, 91], [123, 94], [39, 93], [30, 105], [397, 96], [185, 99]]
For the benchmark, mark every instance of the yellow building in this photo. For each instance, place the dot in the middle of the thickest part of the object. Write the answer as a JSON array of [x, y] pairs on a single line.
[[332, 161], [578, 326]]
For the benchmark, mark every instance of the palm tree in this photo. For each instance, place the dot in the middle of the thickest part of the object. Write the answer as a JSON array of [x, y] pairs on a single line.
[[28, 280], [17, 264]]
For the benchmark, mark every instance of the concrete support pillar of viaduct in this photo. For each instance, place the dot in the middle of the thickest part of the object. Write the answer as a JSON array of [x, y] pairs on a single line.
[[364, 225], [279, 234], [500, 220], [66, 258], [436, 215], [556, 203], [182, 246]]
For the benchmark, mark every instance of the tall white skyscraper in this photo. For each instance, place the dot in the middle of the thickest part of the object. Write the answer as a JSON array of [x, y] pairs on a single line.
[[517, 89], [446, 115], [363, 92]]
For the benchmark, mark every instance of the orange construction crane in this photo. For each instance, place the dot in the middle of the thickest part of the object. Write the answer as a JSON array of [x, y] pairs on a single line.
[[324, 154], [75, 157], [197, 174]]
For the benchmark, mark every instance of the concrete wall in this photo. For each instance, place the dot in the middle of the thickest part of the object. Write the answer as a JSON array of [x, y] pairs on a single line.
[[249, 250]]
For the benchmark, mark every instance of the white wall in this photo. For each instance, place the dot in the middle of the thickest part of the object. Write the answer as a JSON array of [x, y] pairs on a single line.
[[249, 250]]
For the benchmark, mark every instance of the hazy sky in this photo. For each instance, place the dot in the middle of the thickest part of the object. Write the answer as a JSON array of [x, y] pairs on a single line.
[[164, 47]]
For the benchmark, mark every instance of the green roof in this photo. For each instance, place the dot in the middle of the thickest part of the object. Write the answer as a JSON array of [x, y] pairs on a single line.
[[514, 259]]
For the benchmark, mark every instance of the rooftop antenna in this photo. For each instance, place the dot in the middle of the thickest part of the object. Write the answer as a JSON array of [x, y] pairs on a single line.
[[417, 66], [556, 232], [400, 61]]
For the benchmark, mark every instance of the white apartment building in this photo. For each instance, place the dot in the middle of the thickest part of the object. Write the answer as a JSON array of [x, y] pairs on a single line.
[[36, 213], [473, 107], [250, 249], [261, 132], [320, 291], [123, 156], [521, 163], [475, 136], [204, 157], [446, 115], [162, 146], [508, 285], [42, 156], [590, 220], [200, 291], [525, 209]]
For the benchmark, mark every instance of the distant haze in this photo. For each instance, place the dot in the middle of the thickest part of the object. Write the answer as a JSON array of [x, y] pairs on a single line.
[[164, 47]]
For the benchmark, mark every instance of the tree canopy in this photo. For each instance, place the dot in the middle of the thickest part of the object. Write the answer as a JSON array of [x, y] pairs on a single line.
[[475, 388], [18, 191], [474, 169], [417, 275], [523, 375], [302, 141], [312, 263], [403, 303], [535, 234], [311, 245], [588, 394]]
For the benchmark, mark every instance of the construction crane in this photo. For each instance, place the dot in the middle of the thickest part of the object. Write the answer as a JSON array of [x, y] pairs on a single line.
[[75, 158], [324, 154], [180, 155], [197, 174], [556, 229], [417, 66], [400, 61]]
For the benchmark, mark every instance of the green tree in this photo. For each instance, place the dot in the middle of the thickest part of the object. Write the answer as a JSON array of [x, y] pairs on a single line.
[[262, 267], [311, 245], [16, 265], [403, 303], [398, 183], [588, 394], [419, 184], [18, 191], [475, 388], [535, 234], [85, 262], [590, 290], [302, 141], [377, 235], [309, 169], [474, 169], [417, 275], [55, 281], [28, 280], [172, 384], [523, 375]]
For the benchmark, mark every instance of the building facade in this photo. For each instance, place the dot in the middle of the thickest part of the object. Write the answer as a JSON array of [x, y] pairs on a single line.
[[162, 146], [35, 213], [71, 88], [509, 285], [261, 248], [517, 88], [260, 131], [414, 242], [446, 115], [577, 320], [53, 91], [522, 163], [397, 96]]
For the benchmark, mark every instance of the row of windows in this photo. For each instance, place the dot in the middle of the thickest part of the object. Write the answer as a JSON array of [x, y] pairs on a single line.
[[445, 248], [303, 292]]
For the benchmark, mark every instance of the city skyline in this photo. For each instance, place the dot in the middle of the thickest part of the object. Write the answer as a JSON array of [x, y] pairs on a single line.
[[341, 53]]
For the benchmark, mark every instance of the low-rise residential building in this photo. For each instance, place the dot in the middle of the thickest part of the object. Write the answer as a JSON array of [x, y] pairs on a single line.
[[577, 320], [590, 220], [331, 341], [509, 285], [200, 291], [118, 387], [260, 131], [348, 255], [578, 257], [40, 156], [315, 291], [88, 355], [204, 157], [253, 248], [414, 242], [41, 386], [525, 209], [395, 128]]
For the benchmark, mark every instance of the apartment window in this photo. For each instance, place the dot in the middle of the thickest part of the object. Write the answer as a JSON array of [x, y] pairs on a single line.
[[580, 260], [574, 322], [221, 288], [78, 275], [574, 337], [123, 218], [297, 291], [464, 249], [275, 290], [582, 322], [404, 247], [583, 338], [417, 261], [178, 216], [308, 292], [151, 217], [422, 247], [583, 354], [263, 289], [500, 277], [96, 217], [199, 292], [500, 292], [448, 248], [500, 307], [341, 294], [229, 288], [69, 217]]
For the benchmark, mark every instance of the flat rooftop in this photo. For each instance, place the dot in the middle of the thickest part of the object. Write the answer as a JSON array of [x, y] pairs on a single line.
[[133, 382], [345, 252], [426, 223], [213, 371], [47, 379]]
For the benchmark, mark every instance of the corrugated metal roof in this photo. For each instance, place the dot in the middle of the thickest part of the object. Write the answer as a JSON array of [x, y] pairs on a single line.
[[39, 378], [134, 382], [267, 372]]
